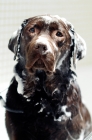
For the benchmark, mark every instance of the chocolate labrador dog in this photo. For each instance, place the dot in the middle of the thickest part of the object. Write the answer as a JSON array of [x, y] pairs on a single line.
[[44, 99]]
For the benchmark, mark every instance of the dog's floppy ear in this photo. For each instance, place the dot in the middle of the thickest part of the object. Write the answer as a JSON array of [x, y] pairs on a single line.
[[78, 45], [14, 42]]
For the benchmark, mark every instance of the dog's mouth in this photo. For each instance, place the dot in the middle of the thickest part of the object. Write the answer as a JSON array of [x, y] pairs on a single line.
[[39, 64], [46, 64]]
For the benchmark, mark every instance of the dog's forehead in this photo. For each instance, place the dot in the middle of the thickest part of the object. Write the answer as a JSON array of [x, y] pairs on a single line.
[[47, 19]]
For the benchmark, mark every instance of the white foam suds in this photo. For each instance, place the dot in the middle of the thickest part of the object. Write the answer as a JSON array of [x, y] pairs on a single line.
[[20, 86]]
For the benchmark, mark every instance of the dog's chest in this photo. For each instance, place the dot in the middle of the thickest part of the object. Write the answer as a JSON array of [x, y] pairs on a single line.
[[44, 103], [43, 114]]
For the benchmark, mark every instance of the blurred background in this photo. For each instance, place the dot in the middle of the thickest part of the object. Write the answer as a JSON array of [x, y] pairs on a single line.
[[12, 13]]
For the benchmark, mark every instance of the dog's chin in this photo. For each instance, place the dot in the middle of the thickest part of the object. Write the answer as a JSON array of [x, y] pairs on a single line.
[[42, 66]]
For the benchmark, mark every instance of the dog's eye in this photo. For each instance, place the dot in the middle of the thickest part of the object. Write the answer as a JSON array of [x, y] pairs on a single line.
[[59, 34], [32, 30]]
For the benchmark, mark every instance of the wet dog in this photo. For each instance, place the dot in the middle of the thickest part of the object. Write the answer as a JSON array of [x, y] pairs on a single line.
[[44, 99]]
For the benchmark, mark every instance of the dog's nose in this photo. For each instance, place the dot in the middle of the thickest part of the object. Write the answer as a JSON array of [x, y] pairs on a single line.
[[41, 48]]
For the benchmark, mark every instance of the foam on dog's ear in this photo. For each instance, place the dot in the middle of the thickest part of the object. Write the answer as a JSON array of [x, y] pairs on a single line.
[[78, 44], [81, 45], [14, 42]]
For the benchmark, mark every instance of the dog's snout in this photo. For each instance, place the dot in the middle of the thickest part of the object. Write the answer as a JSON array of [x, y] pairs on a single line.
[[41, 48]]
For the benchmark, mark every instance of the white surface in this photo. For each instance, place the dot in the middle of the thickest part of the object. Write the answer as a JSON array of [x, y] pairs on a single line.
[[85, 82], [3, 133]]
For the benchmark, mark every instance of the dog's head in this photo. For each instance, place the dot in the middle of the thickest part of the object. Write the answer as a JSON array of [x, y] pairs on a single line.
[[47, 42]]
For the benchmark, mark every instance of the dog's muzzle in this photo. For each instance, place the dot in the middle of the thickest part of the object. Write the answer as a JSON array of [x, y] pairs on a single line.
[[40, 55]]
